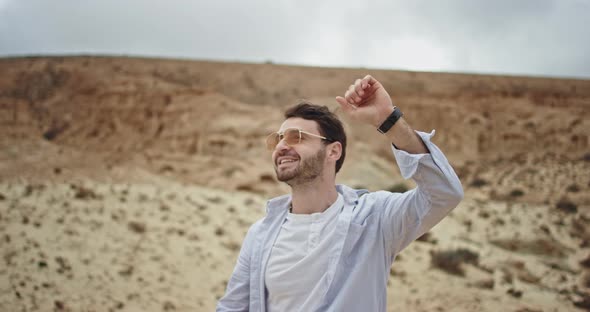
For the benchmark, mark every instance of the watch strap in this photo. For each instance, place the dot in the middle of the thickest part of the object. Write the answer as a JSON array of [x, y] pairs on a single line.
[[391, 120]]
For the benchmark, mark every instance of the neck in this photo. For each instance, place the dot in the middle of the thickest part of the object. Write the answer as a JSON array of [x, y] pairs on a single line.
[[314, 196]]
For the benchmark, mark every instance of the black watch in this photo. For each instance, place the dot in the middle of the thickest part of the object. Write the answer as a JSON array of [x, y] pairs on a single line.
[[391, 120]]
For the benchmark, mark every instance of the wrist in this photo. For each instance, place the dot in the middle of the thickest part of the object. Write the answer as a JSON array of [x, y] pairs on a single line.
[[392, 118], [382, 116]]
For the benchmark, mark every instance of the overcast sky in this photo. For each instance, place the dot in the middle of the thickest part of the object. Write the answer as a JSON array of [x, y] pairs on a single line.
[[523, 37]]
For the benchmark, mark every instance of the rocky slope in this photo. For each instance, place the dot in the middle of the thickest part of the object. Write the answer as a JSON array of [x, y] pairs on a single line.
[[128, 184]]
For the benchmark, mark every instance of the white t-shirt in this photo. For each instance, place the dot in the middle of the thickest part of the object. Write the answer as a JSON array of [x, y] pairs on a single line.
[[299, 259]]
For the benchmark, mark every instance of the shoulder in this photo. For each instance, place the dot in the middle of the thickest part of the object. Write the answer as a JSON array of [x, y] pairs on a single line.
[[368, 202], [255, 227]]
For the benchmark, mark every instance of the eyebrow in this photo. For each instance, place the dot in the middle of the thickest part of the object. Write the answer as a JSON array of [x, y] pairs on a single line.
[[308, 131]]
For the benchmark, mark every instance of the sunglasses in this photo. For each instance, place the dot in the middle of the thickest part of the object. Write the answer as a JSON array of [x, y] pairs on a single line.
[[292, 136]]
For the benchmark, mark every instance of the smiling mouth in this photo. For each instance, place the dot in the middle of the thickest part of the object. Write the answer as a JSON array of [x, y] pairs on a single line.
[[285, 162]]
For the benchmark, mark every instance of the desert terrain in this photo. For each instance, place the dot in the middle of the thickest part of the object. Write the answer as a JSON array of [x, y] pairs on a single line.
[[128, 184]]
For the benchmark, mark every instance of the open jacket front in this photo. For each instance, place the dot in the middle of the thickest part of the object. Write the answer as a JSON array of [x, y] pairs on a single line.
[[373, 228]]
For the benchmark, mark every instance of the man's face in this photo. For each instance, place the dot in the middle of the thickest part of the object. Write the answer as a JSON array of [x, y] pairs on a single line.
[[303, 162]]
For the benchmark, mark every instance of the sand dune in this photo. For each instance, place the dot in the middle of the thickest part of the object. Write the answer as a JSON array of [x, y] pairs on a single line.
[[128, 184]]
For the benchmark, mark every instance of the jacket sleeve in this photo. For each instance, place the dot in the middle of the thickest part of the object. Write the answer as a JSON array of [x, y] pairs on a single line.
[[237, 294], [406, 216]]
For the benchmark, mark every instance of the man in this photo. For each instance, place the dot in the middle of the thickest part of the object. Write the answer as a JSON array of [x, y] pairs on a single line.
[[328, 247]]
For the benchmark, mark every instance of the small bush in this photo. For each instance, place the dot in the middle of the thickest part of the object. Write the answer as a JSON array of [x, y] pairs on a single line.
[[539, 246], [427, 238], [586, 280], [478, 182], [53, 132], [451, 261], [516, 193], [84, 193], [485, 284], [566, 206], [137, 227], [584, 302], [484, 214], [398, 188], [574, 188], [514, 293]]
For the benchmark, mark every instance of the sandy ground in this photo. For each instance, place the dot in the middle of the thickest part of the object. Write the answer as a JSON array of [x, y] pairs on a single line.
[[128, 184]]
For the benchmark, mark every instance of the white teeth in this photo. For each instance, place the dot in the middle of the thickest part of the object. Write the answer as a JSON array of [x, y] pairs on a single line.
[[286, 161]]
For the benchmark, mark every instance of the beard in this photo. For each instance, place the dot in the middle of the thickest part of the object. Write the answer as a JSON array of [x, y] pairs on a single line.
[[307, 170]]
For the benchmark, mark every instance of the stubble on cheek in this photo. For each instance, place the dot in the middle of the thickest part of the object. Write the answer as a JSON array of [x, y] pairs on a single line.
[[307, 169]]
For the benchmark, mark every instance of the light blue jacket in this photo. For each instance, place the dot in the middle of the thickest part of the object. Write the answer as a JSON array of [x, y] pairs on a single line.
[[374, 228]]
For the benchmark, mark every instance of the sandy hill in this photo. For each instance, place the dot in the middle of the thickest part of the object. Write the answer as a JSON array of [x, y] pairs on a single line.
[[128, 184]]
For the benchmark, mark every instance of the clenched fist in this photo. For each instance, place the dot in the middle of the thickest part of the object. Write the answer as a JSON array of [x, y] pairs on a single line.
[[366, 101]]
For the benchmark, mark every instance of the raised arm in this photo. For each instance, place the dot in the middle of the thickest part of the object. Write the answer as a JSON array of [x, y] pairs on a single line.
[[404, 217]]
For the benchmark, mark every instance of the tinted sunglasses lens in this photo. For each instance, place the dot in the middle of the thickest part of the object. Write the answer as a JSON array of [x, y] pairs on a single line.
[[272, 141], [291, 136]]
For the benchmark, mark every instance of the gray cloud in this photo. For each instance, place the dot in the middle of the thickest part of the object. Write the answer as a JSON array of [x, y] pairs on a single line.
[[515, 37]]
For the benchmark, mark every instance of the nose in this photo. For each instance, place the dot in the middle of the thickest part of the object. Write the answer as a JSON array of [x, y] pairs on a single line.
[[282, 145]]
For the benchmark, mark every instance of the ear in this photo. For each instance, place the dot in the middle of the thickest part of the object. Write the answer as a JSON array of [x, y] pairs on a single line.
[[334, 150]]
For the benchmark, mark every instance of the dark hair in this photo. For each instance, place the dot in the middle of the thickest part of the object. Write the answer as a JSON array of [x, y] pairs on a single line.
[[329, 124]]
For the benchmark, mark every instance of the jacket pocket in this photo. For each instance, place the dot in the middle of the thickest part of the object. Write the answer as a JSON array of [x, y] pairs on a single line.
[[359, 238]]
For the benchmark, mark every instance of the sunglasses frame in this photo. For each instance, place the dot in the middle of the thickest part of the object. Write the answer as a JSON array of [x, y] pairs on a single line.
[[282, 136]]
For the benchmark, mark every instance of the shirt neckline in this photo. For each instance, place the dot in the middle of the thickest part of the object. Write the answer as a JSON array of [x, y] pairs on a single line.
[[317, 216]]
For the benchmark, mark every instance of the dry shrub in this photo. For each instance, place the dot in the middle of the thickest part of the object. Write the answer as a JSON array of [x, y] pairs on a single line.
[[540, 246], [478, 182], [398, 188], [519, 269], [567, 206], [516, 193], [84, 192], [427, 238], [514, 293], [137, 227], [583, 302], [451, 261], [586, 280], [485, 284], [580, 229], [574, 188]]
